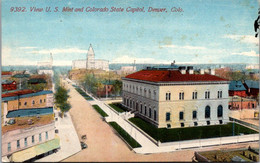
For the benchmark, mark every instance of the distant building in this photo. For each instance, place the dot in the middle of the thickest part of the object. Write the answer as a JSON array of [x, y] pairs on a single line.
[[236, 88], [126, 70], [238, 103], [46, 67], [252, 88], [175, 98], [106, 91], [91, 62], [78, 64], [6, 74], [8, 85], [27, 125]]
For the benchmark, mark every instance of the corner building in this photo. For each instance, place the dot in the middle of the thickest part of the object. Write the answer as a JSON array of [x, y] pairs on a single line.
[[177, 97]]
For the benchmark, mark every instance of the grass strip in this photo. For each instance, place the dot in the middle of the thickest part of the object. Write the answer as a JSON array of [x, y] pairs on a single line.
[[131, 141], [100, 111]]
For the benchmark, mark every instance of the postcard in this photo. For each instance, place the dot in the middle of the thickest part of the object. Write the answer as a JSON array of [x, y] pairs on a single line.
[[130, 80]]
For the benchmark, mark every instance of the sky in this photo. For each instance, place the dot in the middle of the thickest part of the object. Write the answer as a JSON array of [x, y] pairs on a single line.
[[209, 31]]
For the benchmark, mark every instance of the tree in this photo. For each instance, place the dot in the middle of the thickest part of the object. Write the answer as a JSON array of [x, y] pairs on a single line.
[[61, 100], [117, 87]]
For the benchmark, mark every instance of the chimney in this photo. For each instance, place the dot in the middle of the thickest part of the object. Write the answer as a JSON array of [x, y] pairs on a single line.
[[182, 69], [212, 71], [190, 69], [202, 71], [207, 71]]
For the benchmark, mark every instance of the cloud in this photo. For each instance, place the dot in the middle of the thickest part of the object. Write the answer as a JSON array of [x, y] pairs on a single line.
[[28, 47], [59, 51], [187, 47], [243, 38], [252, 53], [128, 59]]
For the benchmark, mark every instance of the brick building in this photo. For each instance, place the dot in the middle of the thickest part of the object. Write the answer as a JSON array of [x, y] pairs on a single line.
[[252, 88], [236, 88], [8, 85], [28, 128]]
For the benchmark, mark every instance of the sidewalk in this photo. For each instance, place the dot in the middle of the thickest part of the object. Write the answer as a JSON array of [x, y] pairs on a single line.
[[69, 142]]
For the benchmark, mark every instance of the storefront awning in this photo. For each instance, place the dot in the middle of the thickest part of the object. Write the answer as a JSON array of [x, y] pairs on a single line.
[[35, 150]]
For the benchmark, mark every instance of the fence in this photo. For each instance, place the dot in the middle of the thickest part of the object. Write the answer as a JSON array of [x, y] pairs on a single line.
[[244, 123], [212, 141]]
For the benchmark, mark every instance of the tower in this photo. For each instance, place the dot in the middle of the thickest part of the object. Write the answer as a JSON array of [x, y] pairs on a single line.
[[90, 58]]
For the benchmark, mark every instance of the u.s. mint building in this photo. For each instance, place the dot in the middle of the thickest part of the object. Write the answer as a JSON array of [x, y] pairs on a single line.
[[175, 98]]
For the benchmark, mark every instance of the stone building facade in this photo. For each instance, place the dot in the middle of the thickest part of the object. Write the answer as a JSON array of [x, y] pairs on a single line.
[[91, 62], [177, 98]]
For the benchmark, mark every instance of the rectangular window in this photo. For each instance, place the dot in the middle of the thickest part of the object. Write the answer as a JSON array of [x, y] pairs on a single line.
[[25, 142], [141, 108], [181, 115], [169, 96], [166, 97], [144, 110], [168, 116], [32, 139], [206, 95], [194, 95], [181, 96], [40, 137], [46, 135], [220, 95], [9, 147], [150, 113], [194, 114], [154, 114], [18, 144], [182, 124]]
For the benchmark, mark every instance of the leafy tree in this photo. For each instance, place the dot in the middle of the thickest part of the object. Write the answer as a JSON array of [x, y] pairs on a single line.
[[61, 99], [117, 87]]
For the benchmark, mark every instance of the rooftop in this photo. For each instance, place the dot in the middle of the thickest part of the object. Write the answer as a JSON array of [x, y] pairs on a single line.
[[21, 76], [12, 95], [171, 76], [6, 73], [252, 84], [36, 81], [236, 86], [22, 122], [8, 82]]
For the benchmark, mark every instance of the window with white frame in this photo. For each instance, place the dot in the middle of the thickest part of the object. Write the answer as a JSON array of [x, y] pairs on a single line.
[[194, 95]]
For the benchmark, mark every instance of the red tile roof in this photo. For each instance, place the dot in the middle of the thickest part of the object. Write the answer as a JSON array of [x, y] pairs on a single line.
[[171, 76], [6, 73], [16, 93]]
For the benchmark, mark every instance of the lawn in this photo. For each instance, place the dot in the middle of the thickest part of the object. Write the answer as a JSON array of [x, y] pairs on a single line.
[[100, 111], [118, 107], [82, 93], [189, 133], [131, 141]]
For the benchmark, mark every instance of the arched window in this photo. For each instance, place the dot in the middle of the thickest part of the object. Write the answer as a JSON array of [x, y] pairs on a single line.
[[33, 102], [207, 112], [220, 111]]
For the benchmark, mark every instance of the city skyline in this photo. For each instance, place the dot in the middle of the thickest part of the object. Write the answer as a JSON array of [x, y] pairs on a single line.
[[222, 30]]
